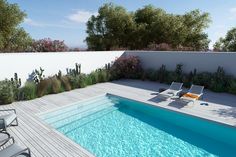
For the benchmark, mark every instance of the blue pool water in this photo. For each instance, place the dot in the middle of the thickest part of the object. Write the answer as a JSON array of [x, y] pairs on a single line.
[[111, 126]]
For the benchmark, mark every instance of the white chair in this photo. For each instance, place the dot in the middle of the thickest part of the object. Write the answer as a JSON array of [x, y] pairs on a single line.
[[174, 89], [194, 93]]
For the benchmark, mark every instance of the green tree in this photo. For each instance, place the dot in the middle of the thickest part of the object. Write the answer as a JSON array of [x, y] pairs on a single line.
[[219, 45], [195, 23], [228, 43], [112, 28], [12, 36], [148, 27], [115, 28]]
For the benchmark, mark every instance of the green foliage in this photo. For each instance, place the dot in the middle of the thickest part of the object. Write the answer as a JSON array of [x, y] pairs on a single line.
[[228, 43], [232, 87], [217, 82], [74, 81], [28, 91], [12, 36], [179, 73], [16, 84], [102, 75], [220, 81], [83, 81], [56, 85], [151, 75], [162, 74], [111, 28], [43, 87], [65, 83], [6, 92], [74, 72], [115, 28]]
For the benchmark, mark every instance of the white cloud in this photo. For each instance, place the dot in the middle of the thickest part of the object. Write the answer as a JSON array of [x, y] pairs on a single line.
[[81, 16], [31, 22]]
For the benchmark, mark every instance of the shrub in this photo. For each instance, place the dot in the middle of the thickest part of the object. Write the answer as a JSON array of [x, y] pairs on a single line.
[[151, 74], [203, 79], [103, 75], [43, 87], [65, 83], [48, 45], [179, 73], [82, 81], [28, 91], [94, 77], [232, 87], [162, 74], [16, 84], [126, 67], [88, 80], [220, 81], [56, 86], [6, 92], [74, 81]]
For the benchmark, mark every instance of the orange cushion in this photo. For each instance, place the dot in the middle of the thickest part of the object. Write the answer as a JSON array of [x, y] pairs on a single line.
[[191, 96]]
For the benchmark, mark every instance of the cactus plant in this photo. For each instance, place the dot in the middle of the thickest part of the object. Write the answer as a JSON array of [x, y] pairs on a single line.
[[74, 72]]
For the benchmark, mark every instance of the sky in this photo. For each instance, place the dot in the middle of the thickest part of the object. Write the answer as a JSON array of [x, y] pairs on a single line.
[[66, 19]]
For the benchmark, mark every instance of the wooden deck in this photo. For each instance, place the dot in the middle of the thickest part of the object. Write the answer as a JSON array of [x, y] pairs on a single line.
[[47, 142]]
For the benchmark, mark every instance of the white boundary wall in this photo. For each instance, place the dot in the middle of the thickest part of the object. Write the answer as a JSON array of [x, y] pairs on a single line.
[[24, 63], [202, 61]]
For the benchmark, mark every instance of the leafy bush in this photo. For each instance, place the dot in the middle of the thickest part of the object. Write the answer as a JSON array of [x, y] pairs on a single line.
[[219, 81], [6, 92], [94, 77], [74, 81], [232, 87], [65, 83], [151, 74], [48, 45], [126, 67], [103, 75], [28, 91], [83, 81], [16, 84], [43, 87], [179, 73], [88, 80], [56, 85], [162, 74]]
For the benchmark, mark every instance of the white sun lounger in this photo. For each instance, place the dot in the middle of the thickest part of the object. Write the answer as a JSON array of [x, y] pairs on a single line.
[[173, 90], [194, 93]]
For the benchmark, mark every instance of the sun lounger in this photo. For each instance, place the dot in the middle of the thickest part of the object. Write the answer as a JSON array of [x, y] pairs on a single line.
[[13, 149], [9, 119], [194, 93], [173, 90]]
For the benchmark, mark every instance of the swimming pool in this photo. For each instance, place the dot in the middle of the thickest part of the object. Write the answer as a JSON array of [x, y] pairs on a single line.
[[109, 125]]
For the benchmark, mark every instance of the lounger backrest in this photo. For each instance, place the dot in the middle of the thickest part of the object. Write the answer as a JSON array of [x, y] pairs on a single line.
[[195, 89], [176, 86]]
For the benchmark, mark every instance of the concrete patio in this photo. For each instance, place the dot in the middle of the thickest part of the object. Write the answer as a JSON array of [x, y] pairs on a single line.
[[46, 141]]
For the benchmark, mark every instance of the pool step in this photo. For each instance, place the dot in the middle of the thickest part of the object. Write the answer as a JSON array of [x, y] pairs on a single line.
[[71, 108], [77, 110], [79, 114], [68, 128]]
